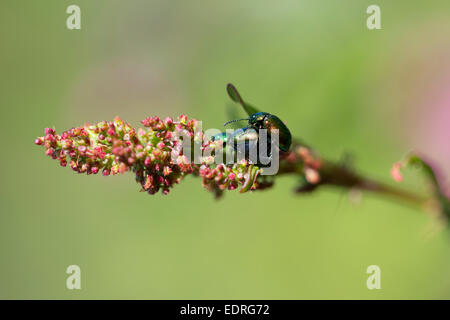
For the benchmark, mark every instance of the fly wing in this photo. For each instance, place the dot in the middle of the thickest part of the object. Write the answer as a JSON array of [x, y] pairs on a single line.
[[236, 97]]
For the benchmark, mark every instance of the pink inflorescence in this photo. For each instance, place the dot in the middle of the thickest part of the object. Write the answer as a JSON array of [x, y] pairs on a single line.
[[222, 177], [154, 154]]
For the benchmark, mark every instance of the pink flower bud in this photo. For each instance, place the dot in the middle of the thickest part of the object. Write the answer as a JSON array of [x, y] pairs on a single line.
[[140, 155], [312, 176], [168, 121], [156, 152], [84, 133], [123, 167], [233, 185], [49, 138], [146, 122], [396, 172], [84, 168], [49, 131], [169, 135], [167, 171], [183, 119]]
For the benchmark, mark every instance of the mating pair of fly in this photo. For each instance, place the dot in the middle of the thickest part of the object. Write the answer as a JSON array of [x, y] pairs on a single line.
[[256, 121]]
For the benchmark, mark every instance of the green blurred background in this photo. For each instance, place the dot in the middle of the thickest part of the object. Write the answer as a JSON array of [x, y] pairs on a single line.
[[339, 86]]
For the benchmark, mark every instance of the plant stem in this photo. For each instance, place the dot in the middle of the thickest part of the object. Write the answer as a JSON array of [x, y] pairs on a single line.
[[343, 177], [303, 159]]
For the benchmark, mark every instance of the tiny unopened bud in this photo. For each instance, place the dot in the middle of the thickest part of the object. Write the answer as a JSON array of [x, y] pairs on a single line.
[[168, 121], [396, 172], [49, 131], [147, 162], [312, 176], [167, 171], [183, 119], [111, 131]]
